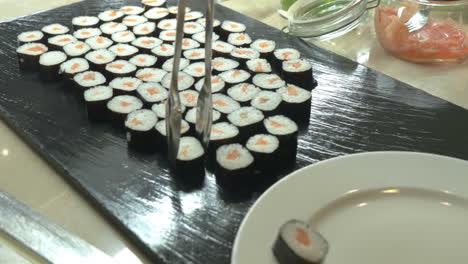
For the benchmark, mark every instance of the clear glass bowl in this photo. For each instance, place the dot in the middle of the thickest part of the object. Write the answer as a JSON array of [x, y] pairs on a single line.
[[443, 39]]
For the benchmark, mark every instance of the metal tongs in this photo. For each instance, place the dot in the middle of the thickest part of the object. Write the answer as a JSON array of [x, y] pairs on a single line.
[[204, 104]]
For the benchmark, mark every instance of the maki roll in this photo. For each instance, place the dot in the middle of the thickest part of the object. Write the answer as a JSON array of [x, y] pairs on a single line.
[[190, 159], [196, 70], [169, 64], [268, 102], [110, 28], [111, 16], [234, 166], [286, 131], [134, 20], [120, 106], [193, 15], [156, 14], [248, 120], [242, 55], [143, 61], [123, 37], [55, 30], [216, 24], [258, 66], [265, 47], [123, 51], [184, 81], [146, 29], [243, 93], [188, 44], [148, 4], [298, 242], [125, 85], [30, 36], [268, 81], [296, 103], [151, 74], [264, 149], [228, 27], [201, 37], [240, 40], [99, 58], [217, 84], [281, 55], [233, 77], [96, 99], [99, 42], [28, 55], [189, 98], [86, 33], [76, 49], [59, 41], [71, 67], [222, 49], [132, 10], [168, 36], [299, 72], [167, 24], [146, 44], [195, 55], [224, 103], [222, 64], [174, 9], [160, 109], [161, 138], [139, 125], [85, 22], [163, 52], [191, 28], [49, 65], [191, 117], [151, 93], [222, 133], [88, 79], [120, 68]]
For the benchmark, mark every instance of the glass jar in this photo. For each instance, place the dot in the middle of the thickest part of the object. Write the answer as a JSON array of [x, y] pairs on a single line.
[[444, 38]]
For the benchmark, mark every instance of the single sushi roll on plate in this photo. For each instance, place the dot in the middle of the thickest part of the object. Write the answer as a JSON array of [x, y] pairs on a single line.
[[234, 166], [139, 125], [258, 66], [28, 55], [73, 66], [99, 42], [132, 10], [160, 109], [167, 24], [299, 72], [76, 49], [296, 103], [286, 130], [285, 54], [201, 37], [120, 106], [125, 85], [120, 68], [243, 93], [163, 52], [123, 37], [265, 47], [242, 55], [146, 44], [189, 98], [188, 44], [134, 20], [193, 15], [151, 74], [169, 64], [85, 22], [217, 84], [148, 4], [190, 165], [156, 14], [55, 30], [233, 77], [151, 93], [184, 81], [96, 99], [88, 79], [59, 41], [249, 120], [123, 51], [268, 102], [111, 16], [86, 33], [264, 149], [143, 61], [49, 65], [174, 9], [30, 36], [216, 24], [224, 103], [196, 70], [110, 28], [268, 81], [168, 36], [191, 28], [146, 29], [222, 133], [222, 49], [240, 40], [195, 55], [228, 27], [161, 138], [99, 58], [191, 117], [298, 242], [221, 64]]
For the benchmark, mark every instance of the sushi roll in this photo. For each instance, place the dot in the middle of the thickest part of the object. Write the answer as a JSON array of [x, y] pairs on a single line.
[[233, 77], [189, 98], [99, 58], [195, 55], [139, 125], [242, 40], [161, 138], [190, 165], [201, 37], [296, 103], [286, 130], [258, 66], [265, 47], [76, 49], [125, 85], [222, 49], [85, 22], [299, 72], [234, 166], [151, 93], [242, 55], [280, 55], [146, 29], [216, 24], [174, 9], [99, 42], [86, 33], [196, 70], [193, 15], [167, 24], [264, 149], [298, 242], [228, 27], [191, 28], [168, 36], [156, 14], [220, 65], [169, 64], [111, 16], [243, 93], [160, 109], [49, 65], [123, 37], [188, 44], [268, 102], [148, 4], [146, 44], [120, 106], [96, 99], [132, 10], [191, 117], [133, 20], [248, 120], [143, 61], [224, 103], [71, 67], [28, 55], [222, 133], [268, 81], [55, 30], [184, 81], [151, 74], [163, 52], [110, 28], [59, 41], [123, 51], [217, 84], [120, 68], [88, 79], [30, 36]]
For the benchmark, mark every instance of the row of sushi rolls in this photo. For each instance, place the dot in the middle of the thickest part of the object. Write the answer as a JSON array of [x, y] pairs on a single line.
[[120, 61]]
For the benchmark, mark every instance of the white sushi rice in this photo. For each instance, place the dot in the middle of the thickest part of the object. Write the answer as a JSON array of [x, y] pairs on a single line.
[[298, 65], [152, 92], [30, 36], [132, 10], [55, 29], [133, 20], [85, 21], [143, 60], [61, 40], [294, 94], [239, 39], [76, 48], [124, 104], [189, 98], [189, 149], [224, 103], [32, 49], [245, 53], [101, 56], [160, 109], [123, 50], [86, 33], [235, 76], [156, 13], [168, 35], [161, 127], [280, 125], [196, 69], [99, 42], [245, 116], [110, 28], [153, 3], [165, 50], [233, 157], [202, 21], [74, 66], [98, 93], [125, 83], [89, 79], [191, 116], [144, 29], [268, 81], [175, 9], [168, 65], [146, 42], [193, 15], [141, 120], [223, 130], [191, 28], [262, 143], [151, 74], [185, 81], [120, 67], [123, 37], [223, 47], [52, 58], [243, 92], [194, 54], [200, 37], [110, 15], [222, 64], [266, 101], [188, 44], [167, 24], [232, 26], [287, 54], [217, 84], [259, 65], [263, 45]]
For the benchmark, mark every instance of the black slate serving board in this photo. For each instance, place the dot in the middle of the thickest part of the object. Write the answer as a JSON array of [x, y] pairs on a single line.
[[354, 109]]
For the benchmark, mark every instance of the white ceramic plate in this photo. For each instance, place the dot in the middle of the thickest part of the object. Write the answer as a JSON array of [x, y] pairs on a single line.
[[373, 208]]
